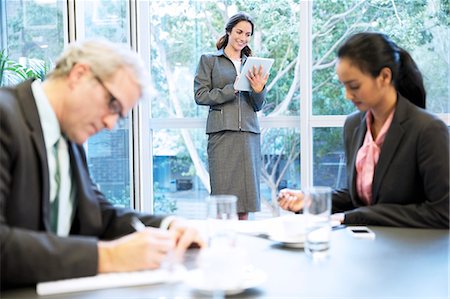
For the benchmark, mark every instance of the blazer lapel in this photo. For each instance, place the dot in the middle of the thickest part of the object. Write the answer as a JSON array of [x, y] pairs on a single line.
[[31, 116], [88, 219], [357, 140], [393, 139]]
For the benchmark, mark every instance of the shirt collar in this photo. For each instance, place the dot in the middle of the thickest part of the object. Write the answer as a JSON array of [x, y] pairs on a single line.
[[221, 52], [49, 123]]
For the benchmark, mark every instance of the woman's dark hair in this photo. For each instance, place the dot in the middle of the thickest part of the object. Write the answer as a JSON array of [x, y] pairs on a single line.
[[372, 51], [233, 21]]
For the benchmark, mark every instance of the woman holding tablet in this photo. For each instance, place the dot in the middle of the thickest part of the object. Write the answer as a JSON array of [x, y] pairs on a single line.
[[397, 153], [234, 152]]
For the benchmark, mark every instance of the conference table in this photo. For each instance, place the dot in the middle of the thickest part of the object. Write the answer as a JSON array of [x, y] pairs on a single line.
[[398, 263]]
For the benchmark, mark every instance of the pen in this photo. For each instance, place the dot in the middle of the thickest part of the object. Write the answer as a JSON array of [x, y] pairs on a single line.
[[340, 226], [137, 224]]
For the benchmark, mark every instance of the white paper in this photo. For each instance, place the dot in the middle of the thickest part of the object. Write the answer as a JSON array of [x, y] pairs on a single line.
[[111, 280]]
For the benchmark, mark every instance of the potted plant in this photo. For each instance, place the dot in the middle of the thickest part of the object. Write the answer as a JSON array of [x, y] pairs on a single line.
[[12, 72]]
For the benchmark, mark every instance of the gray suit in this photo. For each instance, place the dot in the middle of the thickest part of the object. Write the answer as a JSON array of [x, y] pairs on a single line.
[[234, 152], [411, 180], [213, 86], [30, 253]]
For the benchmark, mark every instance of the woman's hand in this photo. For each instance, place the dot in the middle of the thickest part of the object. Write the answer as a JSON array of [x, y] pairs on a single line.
[[257, 79], [291, 200]]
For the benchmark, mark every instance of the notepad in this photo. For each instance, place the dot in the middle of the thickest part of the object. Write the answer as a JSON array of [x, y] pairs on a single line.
[[111, 280], [243, 84]]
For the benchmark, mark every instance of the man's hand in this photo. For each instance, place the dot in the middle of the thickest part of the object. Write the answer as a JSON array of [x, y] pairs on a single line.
[[291, 200], [141, 250], [186, 236]]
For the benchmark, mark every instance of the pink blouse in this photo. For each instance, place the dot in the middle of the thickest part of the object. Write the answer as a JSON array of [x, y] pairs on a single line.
[[367, 158]]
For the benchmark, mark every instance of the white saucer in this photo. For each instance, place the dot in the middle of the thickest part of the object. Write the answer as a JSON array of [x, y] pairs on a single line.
[[287, 241], [253, 278]]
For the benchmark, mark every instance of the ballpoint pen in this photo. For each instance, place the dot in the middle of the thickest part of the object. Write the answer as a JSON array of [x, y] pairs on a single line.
[[137, 224]]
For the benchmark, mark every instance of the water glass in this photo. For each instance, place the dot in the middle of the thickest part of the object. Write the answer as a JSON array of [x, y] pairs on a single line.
[[317, 212], [221, 220]]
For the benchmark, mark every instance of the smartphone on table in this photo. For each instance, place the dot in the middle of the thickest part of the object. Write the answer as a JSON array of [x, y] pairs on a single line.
[[361, 232]]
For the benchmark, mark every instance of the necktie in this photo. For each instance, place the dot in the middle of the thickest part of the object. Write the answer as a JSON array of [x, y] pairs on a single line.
[[57, 179], [61, 207]]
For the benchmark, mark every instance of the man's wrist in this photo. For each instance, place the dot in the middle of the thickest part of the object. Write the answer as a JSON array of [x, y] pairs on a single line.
[[104, 256]]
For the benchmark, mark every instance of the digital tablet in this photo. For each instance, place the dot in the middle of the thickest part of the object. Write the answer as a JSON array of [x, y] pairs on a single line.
[[243, 84]]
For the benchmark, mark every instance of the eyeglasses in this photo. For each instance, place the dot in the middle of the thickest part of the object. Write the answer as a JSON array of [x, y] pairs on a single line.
[[114, 106]]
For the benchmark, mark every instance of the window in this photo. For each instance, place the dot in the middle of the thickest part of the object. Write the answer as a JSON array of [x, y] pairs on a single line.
[[32, 36], [306, 107], [419, 26], [108, 152], [180, 32]]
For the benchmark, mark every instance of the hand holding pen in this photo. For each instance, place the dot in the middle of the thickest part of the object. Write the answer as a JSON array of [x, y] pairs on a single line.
[[185, 237], [147, 248]]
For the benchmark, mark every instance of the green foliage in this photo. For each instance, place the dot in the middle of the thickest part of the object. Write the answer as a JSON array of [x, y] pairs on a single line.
[[161, 204], [12, 72], [30, 21], [120, 200]]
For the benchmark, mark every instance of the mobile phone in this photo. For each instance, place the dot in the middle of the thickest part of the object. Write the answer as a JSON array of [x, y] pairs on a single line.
[[361, 232]]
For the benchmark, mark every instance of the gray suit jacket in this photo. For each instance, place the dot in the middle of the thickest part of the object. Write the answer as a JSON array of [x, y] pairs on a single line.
[[30, 253], [411, 180], [213, 86]]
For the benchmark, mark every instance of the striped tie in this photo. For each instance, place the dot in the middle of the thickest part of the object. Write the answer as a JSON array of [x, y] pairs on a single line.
[[54, 205]]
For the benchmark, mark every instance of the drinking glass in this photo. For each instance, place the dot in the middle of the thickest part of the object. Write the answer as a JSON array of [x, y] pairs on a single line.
[[221, 220], [222, 263], [317, 212]]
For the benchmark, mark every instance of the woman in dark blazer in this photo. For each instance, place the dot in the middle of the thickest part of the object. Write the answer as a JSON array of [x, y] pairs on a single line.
[[397, 153], [234, 153]]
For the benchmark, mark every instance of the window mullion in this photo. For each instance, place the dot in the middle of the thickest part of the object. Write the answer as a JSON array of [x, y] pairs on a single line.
[[306, 134]]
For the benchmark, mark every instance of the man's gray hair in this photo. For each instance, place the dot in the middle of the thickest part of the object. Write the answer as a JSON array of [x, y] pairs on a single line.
[[104, 58]]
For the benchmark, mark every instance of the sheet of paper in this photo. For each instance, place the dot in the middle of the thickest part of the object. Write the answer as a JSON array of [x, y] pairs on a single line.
[[111, 280], [271, 225]]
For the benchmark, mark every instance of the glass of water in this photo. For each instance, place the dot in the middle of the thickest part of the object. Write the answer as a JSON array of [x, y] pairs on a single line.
[[222, 262], [317, 212], [221, 220]]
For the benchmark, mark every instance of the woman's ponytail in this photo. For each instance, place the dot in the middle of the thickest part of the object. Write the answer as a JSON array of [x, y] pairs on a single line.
[[410, 82]]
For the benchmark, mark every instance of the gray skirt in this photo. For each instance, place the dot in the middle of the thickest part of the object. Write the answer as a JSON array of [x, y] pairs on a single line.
[[235, 167]]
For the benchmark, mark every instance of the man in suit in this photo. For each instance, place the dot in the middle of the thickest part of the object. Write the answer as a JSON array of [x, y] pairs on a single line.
[[47, 233]]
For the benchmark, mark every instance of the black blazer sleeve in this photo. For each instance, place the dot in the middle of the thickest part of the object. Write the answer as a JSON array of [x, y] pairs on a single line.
[[411, 180]]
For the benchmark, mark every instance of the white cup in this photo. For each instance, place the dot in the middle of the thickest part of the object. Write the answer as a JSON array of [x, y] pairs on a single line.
[[317, 212], [223, 268], [293, 227]]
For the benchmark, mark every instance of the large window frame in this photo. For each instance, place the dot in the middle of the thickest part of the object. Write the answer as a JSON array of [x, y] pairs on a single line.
[[306, 122], [142, 126]]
